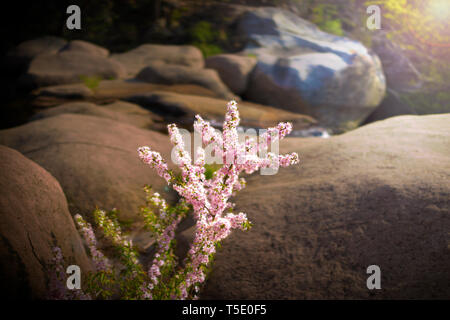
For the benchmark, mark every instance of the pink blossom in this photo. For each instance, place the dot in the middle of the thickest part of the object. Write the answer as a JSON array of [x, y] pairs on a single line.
[[210, 199]]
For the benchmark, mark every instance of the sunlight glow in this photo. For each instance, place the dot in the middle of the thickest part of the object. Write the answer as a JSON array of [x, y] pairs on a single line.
[[440, 9]]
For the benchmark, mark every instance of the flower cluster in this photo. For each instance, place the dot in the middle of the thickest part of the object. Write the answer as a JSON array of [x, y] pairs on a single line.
[[210, 197], [162, 220], [100, 261], [57, 283], [204, 192]]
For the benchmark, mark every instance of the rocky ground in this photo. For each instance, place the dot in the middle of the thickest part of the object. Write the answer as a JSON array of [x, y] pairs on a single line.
[[376, 195]]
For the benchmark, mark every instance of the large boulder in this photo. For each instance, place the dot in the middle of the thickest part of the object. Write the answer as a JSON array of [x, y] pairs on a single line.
[[20, 56], [137, 59], [94, 159], [379, 195], [233, 69], [86, 47], [182, 109], [161, 73], [69, 67], [34, 218], [303, 69], [121, 111]]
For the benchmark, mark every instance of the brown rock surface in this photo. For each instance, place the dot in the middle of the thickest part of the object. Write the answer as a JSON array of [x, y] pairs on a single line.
[[234, 70], [121, 111], [108, 91], [161, 73], [94, 159], [377, 195], [69, 67], [86, 47], [19, 56], [183, 107], [137, 59], [34, 218]]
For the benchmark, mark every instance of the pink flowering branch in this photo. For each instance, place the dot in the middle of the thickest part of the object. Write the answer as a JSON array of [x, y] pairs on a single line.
[[101, 263], [210, 198]]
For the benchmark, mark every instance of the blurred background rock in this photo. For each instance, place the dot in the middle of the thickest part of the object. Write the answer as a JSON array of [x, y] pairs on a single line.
[[412, 44]]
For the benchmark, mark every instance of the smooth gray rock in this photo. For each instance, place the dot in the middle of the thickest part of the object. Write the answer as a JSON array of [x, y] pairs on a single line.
[[303, 69]]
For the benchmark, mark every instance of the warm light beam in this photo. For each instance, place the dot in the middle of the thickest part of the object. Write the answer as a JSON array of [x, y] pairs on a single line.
[[439, 9]]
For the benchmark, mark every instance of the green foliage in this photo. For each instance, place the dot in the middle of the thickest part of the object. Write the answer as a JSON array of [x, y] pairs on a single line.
[[326, 17], [202, 32], [204, 37], [332, 26], [423, 102], [127, 279], [101, 284], [414, 17], [129, 276], [92, 82], [247, 225], [425, 39], [210, 169], [208, 49], [158, 216], [176, 15]]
